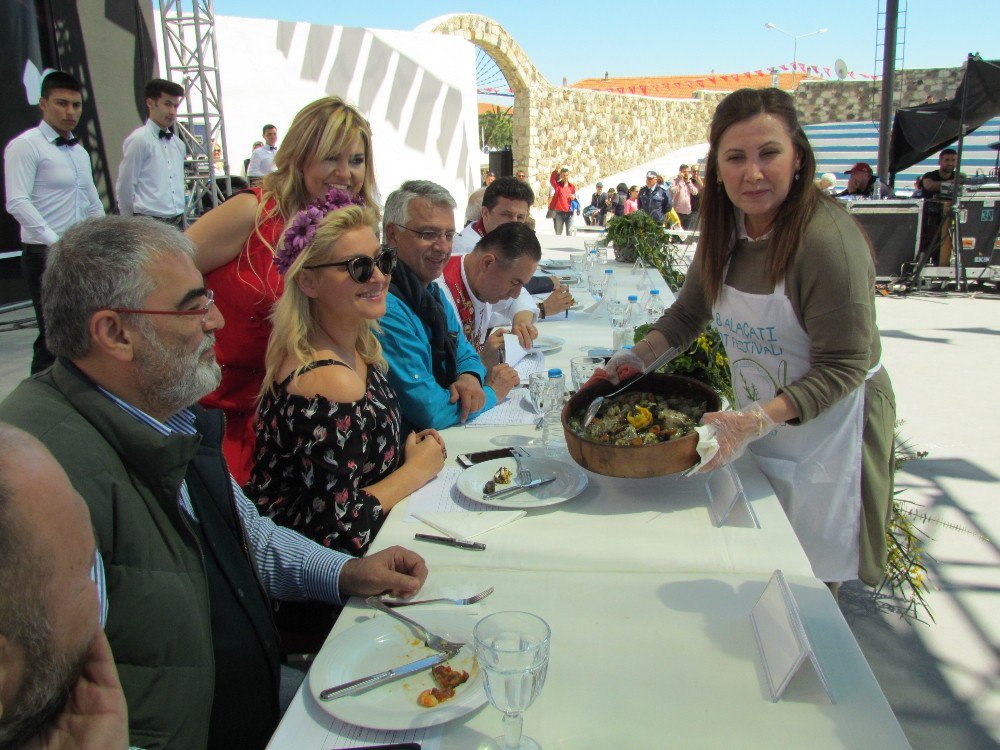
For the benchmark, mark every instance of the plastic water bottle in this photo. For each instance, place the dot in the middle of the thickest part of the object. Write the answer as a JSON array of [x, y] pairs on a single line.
[[593, 258], [654, 306], [625, 333], [553, 440], [611, 288]]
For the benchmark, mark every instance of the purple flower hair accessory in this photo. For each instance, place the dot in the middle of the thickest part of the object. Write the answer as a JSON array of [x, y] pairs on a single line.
[[302, 229]]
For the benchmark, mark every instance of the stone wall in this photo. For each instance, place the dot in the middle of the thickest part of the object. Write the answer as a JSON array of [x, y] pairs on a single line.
[[595, 133], [846, 101]]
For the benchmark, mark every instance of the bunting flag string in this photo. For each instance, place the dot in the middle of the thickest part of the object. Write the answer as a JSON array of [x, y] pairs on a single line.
[[660, 89]]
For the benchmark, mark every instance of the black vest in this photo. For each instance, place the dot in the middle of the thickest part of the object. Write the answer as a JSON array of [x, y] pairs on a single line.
[[245, 708]]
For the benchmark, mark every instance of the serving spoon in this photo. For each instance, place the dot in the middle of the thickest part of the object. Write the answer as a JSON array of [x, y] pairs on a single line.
[[595, 405]]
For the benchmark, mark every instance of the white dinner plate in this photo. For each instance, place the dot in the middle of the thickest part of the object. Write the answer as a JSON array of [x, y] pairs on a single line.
[[547, 343], [554, 265], [381, 643], [570, 481]]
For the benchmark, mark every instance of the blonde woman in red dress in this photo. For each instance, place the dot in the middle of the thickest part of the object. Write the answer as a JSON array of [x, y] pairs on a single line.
[[328, 145]]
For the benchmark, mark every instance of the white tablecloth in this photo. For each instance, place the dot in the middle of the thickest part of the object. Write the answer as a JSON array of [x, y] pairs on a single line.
[[652, 660], [648, 603]]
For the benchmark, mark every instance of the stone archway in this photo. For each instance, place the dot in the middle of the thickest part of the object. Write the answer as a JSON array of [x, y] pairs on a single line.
[[595, 132], [524, 79]]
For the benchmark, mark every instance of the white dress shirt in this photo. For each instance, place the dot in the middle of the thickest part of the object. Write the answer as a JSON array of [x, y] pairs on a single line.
[[261, 161], [49, 188], [488, 315], [151, 175], [466, 240]]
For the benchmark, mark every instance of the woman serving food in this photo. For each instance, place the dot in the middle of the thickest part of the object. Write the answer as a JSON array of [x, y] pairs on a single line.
[[787, 278]]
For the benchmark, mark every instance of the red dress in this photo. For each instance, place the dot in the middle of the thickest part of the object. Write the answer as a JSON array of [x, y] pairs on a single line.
[[246, 290]]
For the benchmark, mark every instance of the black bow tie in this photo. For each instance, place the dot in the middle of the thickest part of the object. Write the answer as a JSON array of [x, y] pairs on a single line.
[[168, 134], [60, 141], [272, 148]]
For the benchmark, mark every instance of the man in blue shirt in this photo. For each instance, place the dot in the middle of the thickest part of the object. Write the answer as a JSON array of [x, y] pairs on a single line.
[[654, 199], [436, 372]]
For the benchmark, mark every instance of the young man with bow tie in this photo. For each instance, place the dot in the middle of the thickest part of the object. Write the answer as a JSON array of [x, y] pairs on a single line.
[[49, 186], [151, 175], [262, 159]]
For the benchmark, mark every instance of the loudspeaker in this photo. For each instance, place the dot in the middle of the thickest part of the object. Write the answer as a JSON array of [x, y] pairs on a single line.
[[893, 227], [979, 223]]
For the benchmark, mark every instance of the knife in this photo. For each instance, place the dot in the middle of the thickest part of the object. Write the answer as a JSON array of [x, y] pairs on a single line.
[[450, 541], [518, 488], [364, 683]]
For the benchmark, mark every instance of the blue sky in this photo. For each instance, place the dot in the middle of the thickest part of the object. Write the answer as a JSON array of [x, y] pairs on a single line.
[[588, 37]]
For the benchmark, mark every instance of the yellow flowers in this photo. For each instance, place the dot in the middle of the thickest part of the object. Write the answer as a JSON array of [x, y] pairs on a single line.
[[639, 417]]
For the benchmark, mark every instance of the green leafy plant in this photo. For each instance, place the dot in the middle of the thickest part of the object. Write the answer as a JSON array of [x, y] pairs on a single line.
[[496, 128], [705, 361], [639, 236]]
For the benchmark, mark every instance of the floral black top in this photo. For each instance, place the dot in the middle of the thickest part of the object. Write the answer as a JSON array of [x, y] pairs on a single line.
[[313, 457]]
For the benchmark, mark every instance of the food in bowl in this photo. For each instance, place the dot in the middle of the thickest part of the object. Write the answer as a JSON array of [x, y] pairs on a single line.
[[640, 418]]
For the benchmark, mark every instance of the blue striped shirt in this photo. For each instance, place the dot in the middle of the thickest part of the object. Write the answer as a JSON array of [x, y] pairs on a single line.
[[291, 566]]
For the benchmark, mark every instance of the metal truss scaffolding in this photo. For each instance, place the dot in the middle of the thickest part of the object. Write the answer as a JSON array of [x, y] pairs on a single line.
[[190, 58]]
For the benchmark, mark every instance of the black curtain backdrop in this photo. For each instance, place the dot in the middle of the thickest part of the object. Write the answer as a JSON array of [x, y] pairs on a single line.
[[921, 131], [20, 44]]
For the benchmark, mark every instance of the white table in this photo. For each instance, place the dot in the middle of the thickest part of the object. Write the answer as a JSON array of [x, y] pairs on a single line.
[[650, 660], [648, 602]]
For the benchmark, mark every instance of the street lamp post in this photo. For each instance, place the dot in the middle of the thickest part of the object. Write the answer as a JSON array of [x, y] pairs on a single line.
[[795, 45]]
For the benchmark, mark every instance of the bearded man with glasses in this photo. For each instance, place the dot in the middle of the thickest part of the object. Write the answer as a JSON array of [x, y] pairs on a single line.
[[191, 566], [436, 373]]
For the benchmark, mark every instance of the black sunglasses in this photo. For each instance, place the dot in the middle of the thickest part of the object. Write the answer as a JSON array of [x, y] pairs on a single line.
[[362, 267]]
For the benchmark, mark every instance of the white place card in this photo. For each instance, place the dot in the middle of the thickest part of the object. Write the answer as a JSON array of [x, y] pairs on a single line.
[[727, 502], [785, 649]]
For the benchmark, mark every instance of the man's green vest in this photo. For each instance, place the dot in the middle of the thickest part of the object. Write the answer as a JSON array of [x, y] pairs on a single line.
[[188, 621]]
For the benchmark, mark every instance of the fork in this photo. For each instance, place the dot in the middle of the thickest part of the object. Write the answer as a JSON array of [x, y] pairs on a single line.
[[430, 640], [467, 600], [523, 475]]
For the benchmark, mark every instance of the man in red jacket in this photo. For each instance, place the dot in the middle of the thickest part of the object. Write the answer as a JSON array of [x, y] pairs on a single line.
[[563, 191]]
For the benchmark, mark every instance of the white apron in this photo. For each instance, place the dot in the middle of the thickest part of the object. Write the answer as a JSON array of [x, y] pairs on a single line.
[[815, 468]]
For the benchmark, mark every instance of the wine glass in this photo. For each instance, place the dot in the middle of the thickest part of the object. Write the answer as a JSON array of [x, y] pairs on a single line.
[[597, 284], [512, 649]]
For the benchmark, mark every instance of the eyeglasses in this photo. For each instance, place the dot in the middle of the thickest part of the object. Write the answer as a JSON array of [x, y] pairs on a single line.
[[362, 267], [431, 235], [203, 311]]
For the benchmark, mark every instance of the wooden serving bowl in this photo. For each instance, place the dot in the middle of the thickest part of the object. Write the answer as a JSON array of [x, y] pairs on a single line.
[[638, 461]]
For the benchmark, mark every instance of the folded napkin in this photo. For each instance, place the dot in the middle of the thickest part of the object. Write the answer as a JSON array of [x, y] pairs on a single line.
[[708, 446], [469, 525]]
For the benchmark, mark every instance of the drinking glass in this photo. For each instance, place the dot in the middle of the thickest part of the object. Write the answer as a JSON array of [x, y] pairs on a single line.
[[512, 649], [578, 261], [618, 312], [537, 382], [597, 283], [582, 368]]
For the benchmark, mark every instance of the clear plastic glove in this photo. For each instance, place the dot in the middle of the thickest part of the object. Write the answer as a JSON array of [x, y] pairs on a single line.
[[624, 364], [735, 430]]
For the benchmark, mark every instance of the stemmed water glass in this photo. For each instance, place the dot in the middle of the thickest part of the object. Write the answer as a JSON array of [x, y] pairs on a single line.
[[512, 649], [597, 283]]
